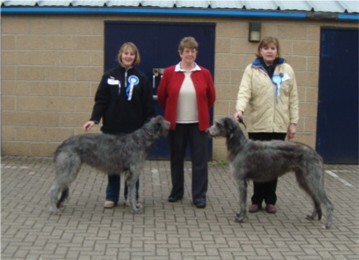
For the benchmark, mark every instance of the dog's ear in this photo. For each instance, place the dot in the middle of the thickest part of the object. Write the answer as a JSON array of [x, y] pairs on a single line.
[[162, 126], [221, 123], [228, 123], [159, 118]]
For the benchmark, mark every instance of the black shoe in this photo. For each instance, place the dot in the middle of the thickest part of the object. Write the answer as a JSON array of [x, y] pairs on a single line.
[[174, 199], [201, 204]]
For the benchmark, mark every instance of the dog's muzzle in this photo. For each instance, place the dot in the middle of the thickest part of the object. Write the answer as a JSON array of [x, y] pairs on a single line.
[[208, 132], [166, 127]]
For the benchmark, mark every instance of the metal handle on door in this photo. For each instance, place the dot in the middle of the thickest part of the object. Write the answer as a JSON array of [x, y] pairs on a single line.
[[156, 72]]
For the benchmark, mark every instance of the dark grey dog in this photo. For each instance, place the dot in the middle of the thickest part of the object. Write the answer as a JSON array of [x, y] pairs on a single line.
[[266, 160], [108, 153]]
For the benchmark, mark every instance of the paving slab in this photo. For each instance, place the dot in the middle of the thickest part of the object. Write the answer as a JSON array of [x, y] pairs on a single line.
[[85, 230]]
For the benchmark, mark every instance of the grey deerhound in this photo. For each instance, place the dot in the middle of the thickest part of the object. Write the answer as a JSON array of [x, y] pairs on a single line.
[[266, 160], [108, 153]]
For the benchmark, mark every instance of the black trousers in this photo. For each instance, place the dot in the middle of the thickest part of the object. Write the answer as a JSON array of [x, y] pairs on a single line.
[[265, 190], [183, 135]]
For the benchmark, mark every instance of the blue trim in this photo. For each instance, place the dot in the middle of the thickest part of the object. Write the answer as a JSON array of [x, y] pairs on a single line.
[[153, 11], [299, 15], [349, 17]]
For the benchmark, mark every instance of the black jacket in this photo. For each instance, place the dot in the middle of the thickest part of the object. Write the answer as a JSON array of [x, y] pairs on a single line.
[[120, 111]]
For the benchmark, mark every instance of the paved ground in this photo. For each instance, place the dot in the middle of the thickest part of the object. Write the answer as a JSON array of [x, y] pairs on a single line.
[[170, 231]]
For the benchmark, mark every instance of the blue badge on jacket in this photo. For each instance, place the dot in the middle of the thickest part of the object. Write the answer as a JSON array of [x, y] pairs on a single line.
[[132, 81]]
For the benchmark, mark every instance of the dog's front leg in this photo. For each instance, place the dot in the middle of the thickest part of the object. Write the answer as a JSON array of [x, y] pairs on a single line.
[[131, 183], [242, 190]]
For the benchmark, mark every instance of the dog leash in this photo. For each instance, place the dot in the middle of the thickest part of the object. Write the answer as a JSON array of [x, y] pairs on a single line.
[[240, 120]]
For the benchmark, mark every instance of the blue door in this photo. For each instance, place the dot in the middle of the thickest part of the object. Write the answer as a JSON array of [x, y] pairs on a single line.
[[158, 44], [337, 130]]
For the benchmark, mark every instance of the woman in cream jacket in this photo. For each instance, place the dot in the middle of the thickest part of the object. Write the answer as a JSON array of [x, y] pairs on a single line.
[[269, 89]]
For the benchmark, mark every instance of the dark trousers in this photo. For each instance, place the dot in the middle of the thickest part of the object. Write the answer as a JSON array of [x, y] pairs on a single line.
[[198, 143], [113, 188], [265, 190]]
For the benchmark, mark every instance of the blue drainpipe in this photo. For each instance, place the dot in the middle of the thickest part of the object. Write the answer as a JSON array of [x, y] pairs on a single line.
[[177, 12]]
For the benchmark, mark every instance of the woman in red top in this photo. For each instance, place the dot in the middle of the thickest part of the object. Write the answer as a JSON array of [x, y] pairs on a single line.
[[186, 93]]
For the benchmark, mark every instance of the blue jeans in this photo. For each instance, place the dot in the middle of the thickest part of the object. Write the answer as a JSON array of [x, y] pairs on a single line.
[[113, 188]]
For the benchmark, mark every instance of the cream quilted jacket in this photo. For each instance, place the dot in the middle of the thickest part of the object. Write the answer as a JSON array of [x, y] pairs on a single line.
[[270, 109]]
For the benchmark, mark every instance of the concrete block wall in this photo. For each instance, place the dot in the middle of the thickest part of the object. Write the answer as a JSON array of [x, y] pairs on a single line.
[[51, 67]]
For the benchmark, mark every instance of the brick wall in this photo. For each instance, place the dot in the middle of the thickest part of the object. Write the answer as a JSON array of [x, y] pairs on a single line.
[[51, 66]]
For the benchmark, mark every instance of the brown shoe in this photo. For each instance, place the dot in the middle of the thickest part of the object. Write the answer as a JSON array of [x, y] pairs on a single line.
[[109, 204], [270, 208], [253, 208]]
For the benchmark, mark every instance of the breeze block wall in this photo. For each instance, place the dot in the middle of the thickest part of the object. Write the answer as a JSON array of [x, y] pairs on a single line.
[[52, 64]]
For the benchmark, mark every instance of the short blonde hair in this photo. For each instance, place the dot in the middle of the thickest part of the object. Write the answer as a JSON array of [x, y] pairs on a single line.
[[265, 42], [129, 46], [188, 42]]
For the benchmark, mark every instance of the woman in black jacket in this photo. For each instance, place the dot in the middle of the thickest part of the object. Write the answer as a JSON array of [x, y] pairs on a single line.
[[124, 103]]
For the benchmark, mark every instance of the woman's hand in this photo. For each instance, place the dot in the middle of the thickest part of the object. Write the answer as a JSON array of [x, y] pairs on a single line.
[[88, 125], [292, 130], [238, 115]]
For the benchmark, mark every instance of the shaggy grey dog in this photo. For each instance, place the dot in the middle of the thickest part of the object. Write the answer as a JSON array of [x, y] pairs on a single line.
[[266, 160], [108, 153]]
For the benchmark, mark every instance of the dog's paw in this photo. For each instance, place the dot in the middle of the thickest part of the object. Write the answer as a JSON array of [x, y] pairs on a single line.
[[326, 226], [137, 210], [239, 218], [310, 217], [128, 204], [54, 211]]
